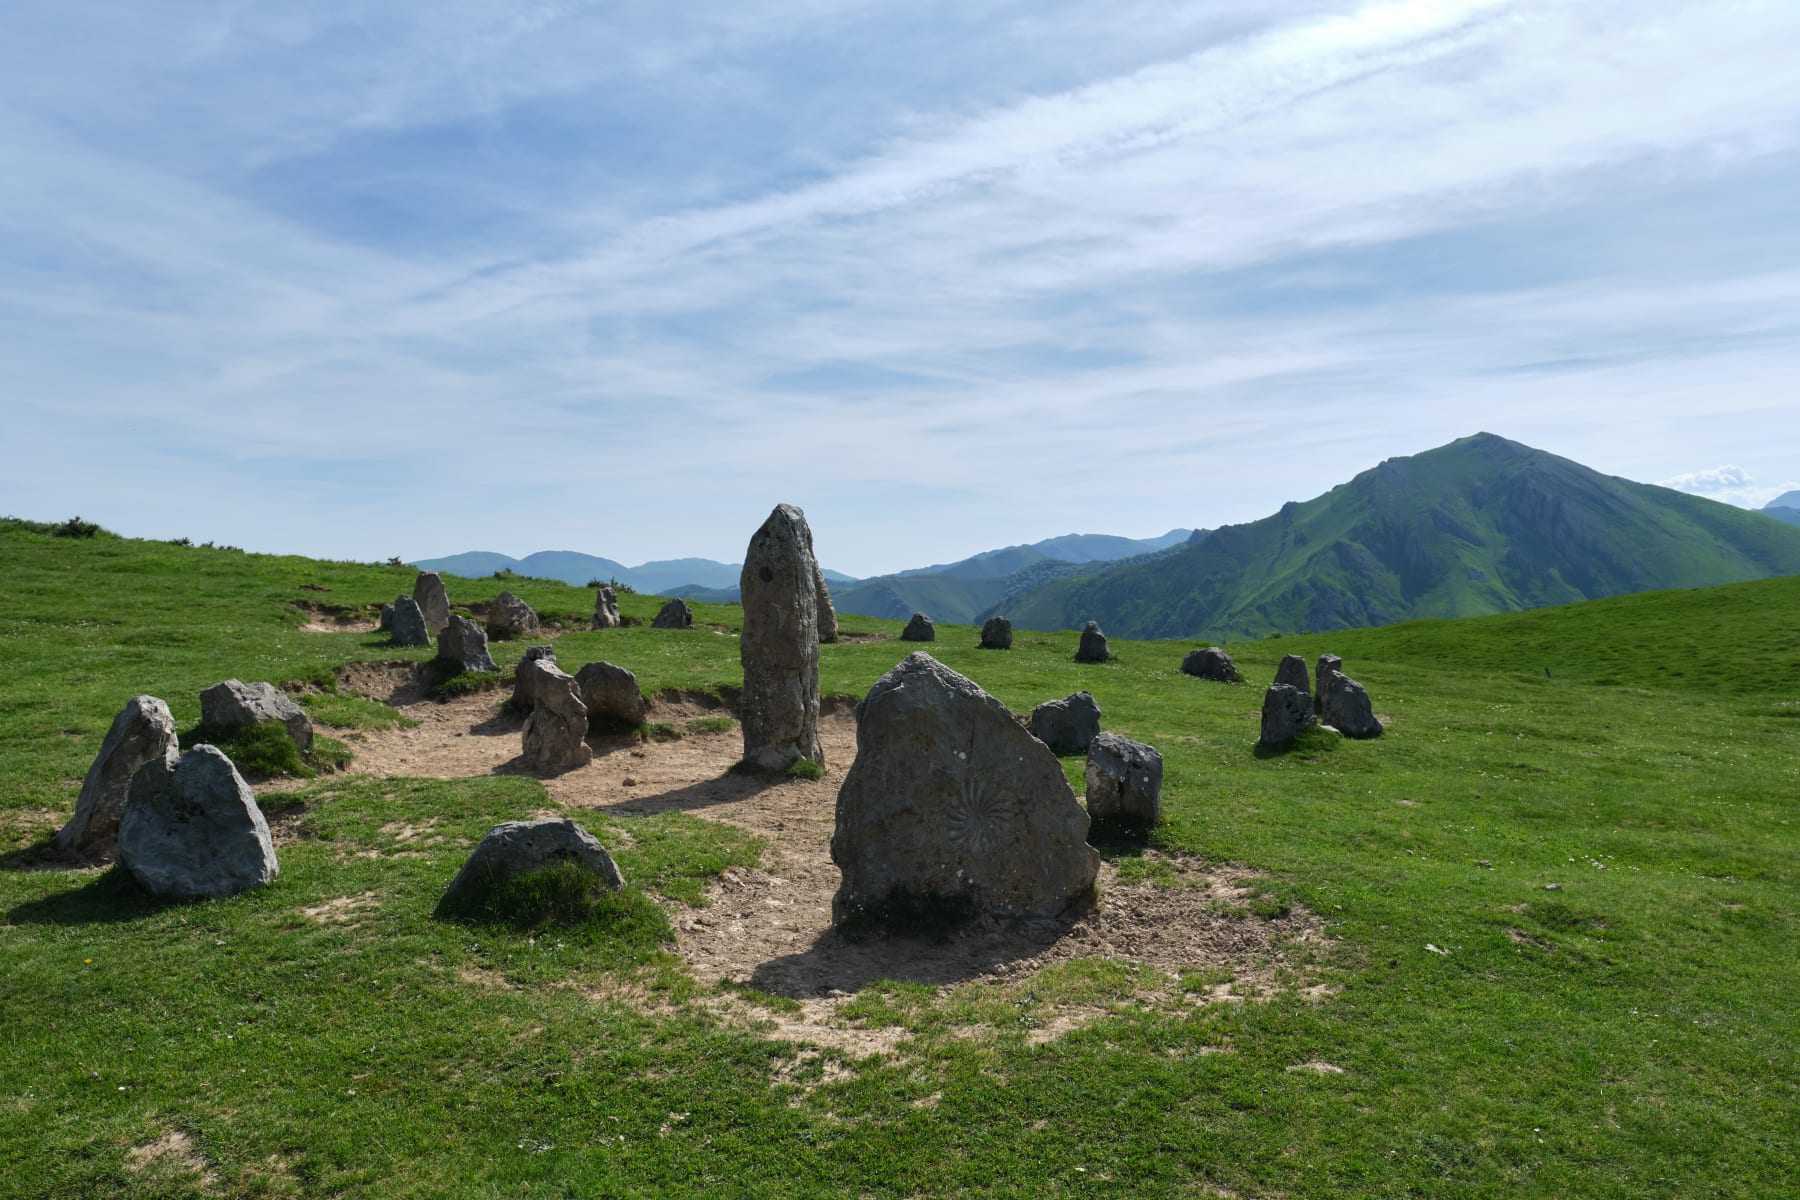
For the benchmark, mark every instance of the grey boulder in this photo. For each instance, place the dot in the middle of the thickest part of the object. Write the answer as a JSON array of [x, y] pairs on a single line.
[[407, 626], [510, 617], [919, 629], [513, 848], [386, 624], [429, 594], [674, 615], [1210, 662], [522, 697], [1292, 672], [1327, 664], [1093, 645], [949, 802], [606, 609], [191, 828], [1124, 779], [556, 731], [1286, 713], [1067, 726], [143, 732], [1345, 706], [996, 634], [234, 706], [611, 691], [779, 645], [463, 646], [826, 614]]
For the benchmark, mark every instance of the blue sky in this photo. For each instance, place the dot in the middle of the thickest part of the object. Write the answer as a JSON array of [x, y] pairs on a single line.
[[389, 278]]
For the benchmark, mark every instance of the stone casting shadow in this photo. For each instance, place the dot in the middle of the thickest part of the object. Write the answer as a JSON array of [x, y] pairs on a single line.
[[109, 898], [728, 788]]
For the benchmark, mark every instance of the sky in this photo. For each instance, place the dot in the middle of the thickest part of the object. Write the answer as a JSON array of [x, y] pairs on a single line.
[[393, 278]]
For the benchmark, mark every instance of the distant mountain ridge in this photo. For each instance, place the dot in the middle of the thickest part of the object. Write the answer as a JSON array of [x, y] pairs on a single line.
[[1785, 507], [661, 577]]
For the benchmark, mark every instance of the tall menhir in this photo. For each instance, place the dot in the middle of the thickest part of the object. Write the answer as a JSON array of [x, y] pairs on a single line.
[[780, 643]]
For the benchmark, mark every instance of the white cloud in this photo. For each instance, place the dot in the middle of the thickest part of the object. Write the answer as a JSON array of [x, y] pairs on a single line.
[[1731, 485]]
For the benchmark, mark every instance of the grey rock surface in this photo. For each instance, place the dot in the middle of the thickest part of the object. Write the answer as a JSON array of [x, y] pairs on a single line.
[[779, 644], [996, 634], [919, 629], [523, 698], [142, 732], [823, 610], [513, 848], [1327, 664], [1210, 662], [611, 691], [1293, 673], [234, 706], [606, 609], [509, 617], [1286, 713], [1345, 706], [1124, 779], [674, 615], [464, 646], [556, 731], [191, 828], [429, 594], [1093, 645], [386, 624], [1067, 726], [407, 626], [949, 800]]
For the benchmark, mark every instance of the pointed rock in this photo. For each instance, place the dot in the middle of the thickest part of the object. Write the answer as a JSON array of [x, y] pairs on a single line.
[[1093, 645], [143, 732], [779, 646], [1292, 672], [996, 634], [919, 629], [674, 615], [433, 601], [407, 624], [192, 829], [463, 646]]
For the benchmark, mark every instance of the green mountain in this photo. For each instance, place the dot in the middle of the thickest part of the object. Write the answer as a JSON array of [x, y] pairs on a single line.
[[1483, 525], [1785, 507]]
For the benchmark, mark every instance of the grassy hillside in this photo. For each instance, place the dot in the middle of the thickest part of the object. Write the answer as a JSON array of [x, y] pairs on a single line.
[[1479, 526], [1560, 916]]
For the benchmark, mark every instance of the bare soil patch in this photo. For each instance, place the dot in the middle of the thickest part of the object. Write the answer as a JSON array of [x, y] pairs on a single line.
[[332, 618]]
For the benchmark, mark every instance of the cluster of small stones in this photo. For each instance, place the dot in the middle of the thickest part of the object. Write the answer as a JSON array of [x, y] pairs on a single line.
[[674, 615], [1093, 645], [996, 634], [1337, 703], [919, 629]]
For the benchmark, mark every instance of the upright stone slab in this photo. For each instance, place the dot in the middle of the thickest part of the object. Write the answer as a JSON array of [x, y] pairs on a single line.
[[523, 697], [1346, 708], [950, 804], [509, 617], [779, 645], [407, 625], [1286, 713], [234, 706], [1093, 645], [463, 646], [192, 830], [1327, 664], [919, 629], [1292, 672], [827, 615], [1067, 726], [1212, 663], [556, 731], [429, 594], [996, 634], [606, 609], [1124, 779], [143, 732], [674, 615], [386, 623], [611, 691], [513, 848]]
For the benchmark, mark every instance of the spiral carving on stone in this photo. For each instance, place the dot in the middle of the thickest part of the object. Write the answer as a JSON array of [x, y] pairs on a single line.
[[977, 818]]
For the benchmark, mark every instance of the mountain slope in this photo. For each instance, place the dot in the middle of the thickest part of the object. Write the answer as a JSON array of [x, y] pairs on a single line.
[[1785, 507], [1483, 525]]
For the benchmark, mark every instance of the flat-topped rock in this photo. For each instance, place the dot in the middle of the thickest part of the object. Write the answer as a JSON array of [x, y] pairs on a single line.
[[1212, 663], [555, 738], [514, 848], [674, 615], [996, 634], [463, 646], [1287, 712], [522, 697], [191, 829], [142, 732], [779, 643], [1124, 779], [611, 691], [919, 629], [1067, 726], [234, 706], [509, 617], [1093, 645], [406, 624], [433, 601], [1292, 672], [1346, 707]]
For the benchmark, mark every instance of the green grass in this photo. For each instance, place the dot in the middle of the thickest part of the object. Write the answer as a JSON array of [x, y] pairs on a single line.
[[1613, 1017]]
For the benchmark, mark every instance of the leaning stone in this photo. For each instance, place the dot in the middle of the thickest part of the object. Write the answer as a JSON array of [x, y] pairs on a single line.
[[919, 629], [611, 691], [779, 644], [429, 594], [827, 615], [674, 615], [556, 730], [1093, 645], [1067, 726], [1124, 779], [463, 646], [1327, 664], [1345, 707], [1286, 713], [143, 732], [996, 634], [950, 805], [407, 625], [522, 698], [513, 848], [191, 828], [386, 624], [510, 617], [232, 707], [1211, 663], [1292, 672], [606, 609]]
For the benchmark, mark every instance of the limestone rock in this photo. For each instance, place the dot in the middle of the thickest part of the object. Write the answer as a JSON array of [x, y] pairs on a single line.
[[143, 732], [523, 698], [1286, 713], [826, 614], [429, 594], [386, 624], [463, 645], [1067, 726], [779, 645], [919, 629], [407, 625], [949, 801], [232, 707], [1211, 663], [674, 615], [1292, 672], [1327, 664], [510, 617], [1345, 706], [611, 691], [556, 730], [191, 828], [606, 609], [1124, 779], [512, 848], [1093, 645], [996, 634]]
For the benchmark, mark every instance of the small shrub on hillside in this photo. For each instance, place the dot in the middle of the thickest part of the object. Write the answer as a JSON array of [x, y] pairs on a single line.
[[181, 541], [75, 527]]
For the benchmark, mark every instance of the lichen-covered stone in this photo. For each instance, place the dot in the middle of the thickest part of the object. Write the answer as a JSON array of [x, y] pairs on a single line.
[[1069, 725], [1124, 779], [555, 737], [1346, 707], [1286, 713], [192, 829], [611, 691], [234, 706], [513, 848], [143, 732], [433, 601], [463, 646], [509, 617], [779, 644]]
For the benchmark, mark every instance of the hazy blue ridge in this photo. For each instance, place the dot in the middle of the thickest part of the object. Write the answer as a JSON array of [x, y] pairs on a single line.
[[1788, 500]]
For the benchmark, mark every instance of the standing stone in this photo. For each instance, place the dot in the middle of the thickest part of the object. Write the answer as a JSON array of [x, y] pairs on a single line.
[[1286, 713], [1213, 663], [606, 609], [950, 805], [463, 646], [1292, 672], [407, 625], [1067, 726], [510, 617], [996, 634], [779, 645], [432, 599], [1327, 664], [674, 615], [512, 848], [610, 691], [1346, 708], [1093, 645], [523, 698], [143, 732], [232, 707], [919, 629], [556, 730], [1124, 779], [191, 828], [827, 615], [386, 624]]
